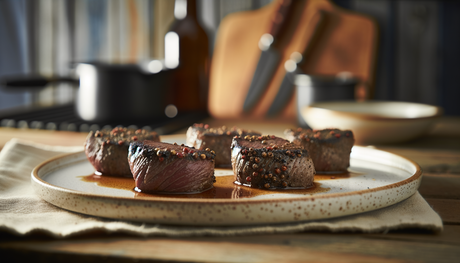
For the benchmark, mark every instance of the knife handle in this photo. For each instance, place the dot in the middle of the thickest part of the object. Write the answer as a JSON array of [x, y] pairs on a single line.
[[280, 17], [317, 22]]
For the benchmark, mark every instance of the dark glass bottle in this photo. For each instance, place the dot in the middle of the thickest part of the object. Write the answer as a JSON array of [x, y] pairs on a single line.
[[190, 77]]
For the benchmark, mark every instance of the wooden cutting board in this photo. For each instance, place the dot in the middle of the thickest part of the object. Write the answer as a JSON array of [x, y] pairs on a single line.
[[346, 42]]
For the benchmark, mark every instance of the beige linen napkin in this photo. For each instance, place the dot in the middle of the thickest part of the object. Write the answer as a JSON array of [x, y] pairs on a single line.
[[22, 212]]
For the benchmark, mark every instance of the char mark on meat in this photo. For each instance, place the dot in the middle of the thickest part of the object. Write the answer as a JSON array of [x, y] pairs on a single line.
[[107, 150], [202, 136], [170, 168], [270, 162], [329, 148]]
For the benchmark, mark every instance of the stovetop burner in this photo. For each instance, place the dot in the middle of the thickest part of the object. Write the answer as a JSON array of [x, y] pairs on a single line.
[[63, 118]]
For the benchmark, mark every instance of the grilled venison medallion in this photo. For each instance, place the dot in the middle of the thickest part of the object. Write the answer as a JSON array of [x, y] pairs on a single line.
[[107, 150], [159, 167], [329, 148], [270, 162], [201, 136]]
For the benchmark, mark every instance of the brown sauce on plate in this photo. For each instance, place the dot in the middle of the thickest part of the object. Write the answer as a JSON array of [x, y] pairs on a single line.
[[224, 187], [332, 176]]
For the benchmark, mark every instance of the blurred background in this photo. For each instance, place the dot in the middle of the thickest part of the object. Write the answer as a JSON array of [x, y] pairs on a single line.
[[418, 53]]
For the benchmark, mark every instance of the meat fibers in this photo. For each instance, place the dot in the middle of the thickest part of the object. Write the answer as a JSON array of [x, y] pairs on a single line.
[[159, 167]]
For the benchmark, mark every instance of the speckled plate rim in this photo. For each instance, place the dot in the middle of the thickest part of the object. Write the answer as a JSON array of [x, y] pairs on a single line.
[[191, 211], [318, 107]]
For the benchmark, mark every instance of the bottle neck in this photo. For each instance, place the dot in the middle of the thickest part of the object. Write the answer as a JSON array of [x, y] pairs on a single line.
[[185, 8]]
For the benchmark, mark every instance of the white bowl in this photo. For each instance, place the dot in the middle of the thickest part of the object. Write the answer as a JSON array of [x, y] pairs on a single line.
[[373, 122]]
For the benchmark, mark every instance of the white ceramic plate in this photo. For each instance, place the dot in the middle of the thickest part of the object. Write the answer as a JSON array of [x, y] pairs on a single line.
[[376, 179]]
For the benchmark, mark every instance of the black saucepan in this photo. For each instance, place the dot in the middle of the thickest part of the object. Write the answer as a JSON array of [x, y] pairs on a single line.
[[108, 92]]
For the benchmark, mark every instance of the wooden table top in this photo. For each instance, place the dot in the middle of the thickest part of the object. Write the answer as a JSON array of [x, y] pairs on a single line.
[[438, 153]]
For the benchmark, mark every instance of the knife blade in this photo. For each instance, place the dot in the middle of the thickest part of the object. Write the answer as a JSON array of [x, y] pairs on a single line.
[[292, 67], [270, 57]]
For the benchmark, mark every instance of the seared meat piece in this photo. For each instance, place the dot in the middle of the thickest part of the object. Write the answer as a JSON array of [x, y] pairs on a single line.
[[107, 151], [201, 136], [159, 167], [329, 148], [271, 162]]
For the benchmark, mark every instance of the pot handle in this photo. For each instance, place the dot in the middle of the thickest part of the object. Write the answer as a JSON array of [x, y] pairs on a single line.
[[34, 81]]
